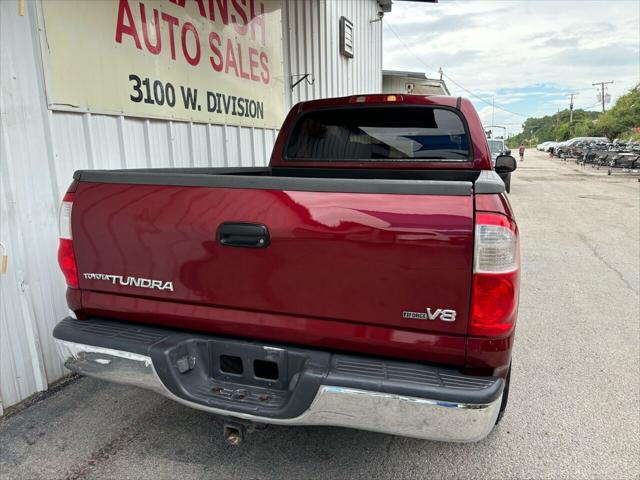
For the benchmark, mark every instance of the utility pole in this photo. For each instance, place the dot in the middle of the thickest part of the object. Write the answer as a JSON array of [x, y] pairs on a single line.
[[571, 106], [493, 109], [602, 91]]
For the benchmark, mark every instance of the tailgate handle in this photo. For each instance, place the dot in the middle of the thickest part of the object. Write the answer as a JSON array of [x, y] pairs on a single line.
[[250, 235]]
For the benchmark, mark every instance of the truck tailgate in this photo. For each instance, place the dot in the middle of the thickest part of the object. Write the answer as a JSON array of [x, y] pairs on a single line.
[[393, 260]]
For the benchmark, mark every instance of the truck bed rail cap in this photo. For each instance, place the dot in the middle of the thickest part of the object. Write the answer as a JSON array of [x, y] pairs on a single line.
[[343, 185], [489, 182]]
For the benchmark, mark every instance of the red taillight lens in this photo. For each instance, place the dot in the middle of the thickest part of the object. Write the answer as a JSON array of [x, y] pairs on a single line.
[[67, 262], [496, 277], [495, 303], [66, 254]]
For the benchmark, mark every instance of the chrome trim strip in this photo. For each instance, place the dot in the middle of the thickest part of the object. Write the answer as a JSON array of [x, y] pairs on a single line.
[[333, 406]]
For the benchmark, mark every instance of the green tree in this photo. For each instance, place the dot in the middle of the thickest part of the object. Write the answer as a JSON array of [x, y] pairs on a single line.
[[621, 121]]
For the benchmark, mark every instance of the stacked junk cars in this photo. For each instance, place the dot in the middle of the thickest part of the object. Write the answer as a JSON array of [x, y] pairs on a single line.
[[597, 152]]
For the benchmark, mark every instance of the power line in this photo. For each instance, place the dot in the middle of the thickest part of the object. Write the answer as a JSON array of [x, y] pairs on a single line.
[[590, 106], [451, 79], [482, 99], [407, 46]]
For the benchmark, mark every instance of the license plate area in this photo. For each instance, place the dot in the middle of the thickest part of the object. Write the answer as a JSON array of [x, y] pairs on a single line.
[[240, 376], [251, 365]]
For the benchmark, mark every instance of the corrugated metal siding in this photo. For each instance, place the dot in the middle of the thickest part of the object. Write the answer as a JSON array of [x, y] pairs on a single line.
[[311, 30], [31, 290], [41, 149]]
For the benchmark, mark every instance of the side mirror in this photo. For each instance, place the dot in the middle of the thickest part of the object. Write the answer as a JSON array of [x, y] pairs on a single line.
[[507, 152], [505, 164]]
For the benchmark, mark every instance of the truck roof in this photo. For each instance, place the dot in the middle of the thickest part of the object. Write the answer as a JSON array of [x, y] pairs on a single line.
[[480, 153], [384, 99]]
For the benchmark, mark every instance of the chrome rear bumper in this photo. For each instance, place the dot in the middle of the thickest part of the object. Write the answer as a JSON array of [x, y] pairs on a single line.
[[332, 406]]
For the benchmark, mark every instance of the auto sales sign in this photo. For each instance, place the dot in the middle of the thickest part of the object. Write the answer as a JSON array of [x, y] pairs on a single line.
[[208, 61]]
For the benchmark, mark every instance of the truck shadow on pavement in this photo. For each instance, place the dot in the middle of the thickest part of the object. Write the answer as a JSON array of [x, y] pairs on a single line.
[[93, 429]]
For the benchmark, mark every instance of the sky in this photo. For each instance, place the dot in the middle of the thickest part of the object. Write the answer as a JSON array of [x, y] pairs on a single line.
[[524, 55]]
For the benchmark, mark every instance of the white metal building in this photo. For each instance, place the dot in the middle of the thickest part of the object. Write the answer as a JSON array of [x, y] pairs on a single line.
[[42, 143], [417, 83]]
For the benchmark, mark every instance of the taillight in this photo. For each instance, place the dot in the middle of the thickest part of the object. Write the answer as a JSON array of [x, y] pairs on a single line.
[[66, 254], [496, 276]]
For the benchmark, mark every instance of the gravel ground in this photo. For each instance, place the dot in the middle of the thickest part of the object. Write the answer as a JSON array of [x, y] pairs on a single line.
[[574, 407]]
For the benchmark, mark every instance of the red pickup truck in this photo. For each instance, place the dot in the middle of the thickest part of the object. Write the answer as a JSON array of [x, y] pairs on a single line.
[[368, 278]]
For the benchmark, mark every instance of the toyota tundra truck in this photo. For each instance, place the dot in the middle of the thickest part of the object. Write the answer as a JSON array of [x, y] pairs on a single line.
[[367, 278]]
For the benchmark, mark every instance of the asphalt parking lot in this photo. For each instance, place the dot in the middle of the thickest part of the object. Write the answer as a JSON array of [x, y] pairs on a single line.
[[574, 407]]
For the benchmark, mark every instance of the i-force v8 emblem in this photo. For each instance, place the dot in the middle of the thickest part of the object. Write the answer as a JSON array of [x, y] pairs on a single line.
[[432, 314]]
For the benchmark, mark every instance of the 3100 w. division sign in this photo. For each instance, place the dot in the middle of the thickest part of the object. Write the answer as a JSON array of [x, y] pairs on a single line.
[[209, 61]]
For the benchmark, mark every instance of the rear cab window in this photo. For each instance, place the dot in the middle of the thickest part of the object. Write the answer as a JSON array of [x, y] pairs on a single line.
[[370, 133]]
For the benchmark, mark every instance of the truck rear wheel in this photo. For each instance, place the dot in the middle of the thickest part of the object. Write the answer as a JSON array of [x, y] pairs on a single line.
[[505, 397]]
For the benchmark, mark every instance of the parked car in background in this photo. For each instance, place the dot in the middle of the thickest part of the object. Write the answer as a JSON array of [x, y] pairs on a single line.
[[548, 146], [565, 149], [544, 147], [615, 156], [558, 149], [498, 147]]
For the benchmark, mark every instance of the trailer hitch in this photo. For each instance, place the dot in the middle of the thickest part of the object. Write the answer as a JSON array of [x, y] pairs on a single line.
[[235, 431]]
